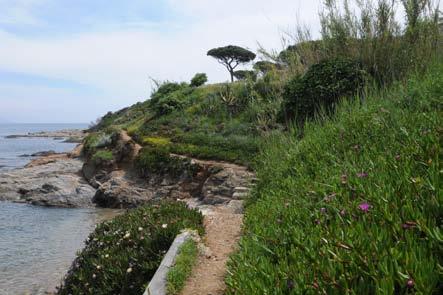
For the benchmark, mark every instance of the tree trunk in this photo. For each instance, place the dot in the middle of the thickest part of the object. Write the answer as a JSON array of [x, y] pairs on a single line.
[[232, 75]]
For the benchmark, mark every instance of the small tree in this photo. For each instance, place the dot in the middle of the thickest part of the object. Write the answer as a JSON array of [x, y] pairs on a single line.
[[199, 79], [244, 75], [231, 56]]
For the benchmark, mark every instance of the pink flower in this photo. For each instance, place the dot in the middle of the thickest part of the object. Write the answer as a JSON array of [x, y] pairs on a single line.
[[408, 225], [364, 207], [410, 283]]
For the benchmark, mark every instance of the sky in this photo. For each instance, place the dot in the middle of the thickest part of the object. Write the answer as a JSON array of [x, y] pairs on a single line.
[[74, 60]]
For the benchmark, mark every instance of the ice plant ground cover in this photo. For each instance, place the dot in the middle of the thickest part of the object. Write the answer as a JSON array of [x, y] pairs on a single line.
[[123, 254], [355, 207]]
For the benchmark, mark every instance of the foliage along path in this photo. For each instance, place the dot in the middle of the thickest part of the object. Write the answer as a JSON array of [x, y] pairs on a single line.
[[222, 231]]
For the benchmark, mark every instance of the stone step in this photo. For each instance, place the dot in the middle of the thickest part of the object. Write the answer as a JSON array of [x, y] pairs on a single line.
[[241, 189], [239, 196]]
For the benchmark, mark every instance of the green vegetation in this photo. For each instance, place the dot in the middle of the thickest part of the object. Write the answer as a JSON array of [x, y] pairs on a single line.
[[102, 156], [355, 206], [98, 140], [122, 255], [158, 161], [321, 87], [244, 75], [178, 274], [199, 79], [231, 57], [349, 198]]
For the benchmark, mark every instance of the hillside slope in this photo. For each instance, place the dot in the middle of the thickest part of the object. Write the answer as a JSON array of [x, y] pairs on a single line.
[[355, 206]]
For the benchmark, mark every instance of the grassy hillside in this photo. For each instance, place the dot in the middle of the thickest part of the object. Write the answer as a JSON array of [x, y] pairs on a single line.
[[356, 205], [195, 121], [348, 202]]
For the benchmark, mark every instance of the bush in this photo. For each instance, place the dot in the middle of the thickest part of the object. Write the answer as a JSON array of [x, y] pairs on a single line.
[[102, 156], [321, 88], [96, 141], [355, 207], [152, 160], [122, 255], [165, 89], [169, 103], [199, 79], [245, 75]]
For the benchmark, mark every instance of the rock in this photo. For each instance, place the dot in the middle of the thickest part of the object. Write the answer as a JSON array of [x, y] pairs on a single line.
[[121, 191], [229, 183], [44, 154], [58, 183], [236, 206], [74, 140], [69, 133]]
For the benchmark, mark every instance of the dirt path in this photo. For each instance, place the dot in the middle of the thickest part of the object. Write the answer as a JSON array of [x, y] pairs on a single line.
[[223, 229]]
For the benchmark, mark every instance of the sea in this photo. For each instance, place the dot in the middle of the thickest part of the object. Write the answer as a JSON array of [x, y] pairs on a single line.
[[38, 244]]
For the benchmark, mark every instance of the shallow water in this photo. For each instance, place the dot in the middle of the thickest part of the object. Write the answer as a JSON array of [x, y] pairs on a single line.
[[38, 245], [12, 148]]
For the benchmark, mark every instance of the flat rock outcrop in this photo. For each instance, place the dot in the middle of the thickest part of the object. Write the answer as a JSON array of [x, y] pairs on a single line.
[[55, 181]]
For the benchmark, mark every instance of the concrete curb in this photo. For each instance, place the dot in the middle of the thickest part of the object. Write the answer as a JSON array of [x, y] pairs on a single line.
[[157, 286]]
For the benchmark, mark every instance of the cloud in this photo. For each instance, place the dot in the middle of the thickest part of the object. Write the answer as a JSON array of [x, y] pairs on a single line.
[[119, 59], [19, 12]]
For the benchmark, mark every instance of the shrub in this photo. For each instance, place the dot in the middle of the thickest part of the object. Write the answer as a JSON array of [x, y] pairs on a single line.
[[245, 75], [321, 87], [165, 89], [199, 79], [152, 160], [169, 103], [122, 255], [96, 141], [102, 156], [269, 86], [157, 141]]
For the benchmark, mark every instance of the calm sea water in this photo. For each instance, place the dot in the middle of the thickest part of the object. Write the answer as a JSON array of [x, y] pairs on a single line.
[[37, 245], [12, 149]]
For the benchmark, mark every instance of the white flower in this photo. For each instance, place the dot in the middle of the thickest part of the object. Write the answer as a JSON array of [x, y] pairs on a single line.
[[140, 228], [98, 267], [94, 276], [127, 236], [107, 255], [164, 225], [129, 270]]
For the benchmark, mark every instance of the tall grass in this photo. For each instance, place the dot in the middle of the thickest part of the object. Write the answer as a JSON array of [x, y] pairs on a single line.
[[373, 34], [355, 207]]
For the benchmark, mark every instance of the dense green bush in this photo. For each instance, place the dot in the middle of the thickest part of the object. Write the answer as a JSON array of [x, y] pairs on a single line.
[[199, 79], [355, 207], [102, 156], [169, 103], [321, 88], [157, 160], [245, 75], [122, 255], [165, 89]]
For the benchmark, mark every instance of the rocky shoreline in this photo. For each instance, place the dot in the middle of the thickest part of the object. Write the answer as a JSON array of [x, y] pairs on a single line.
[[68, 180], [68, 135]]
